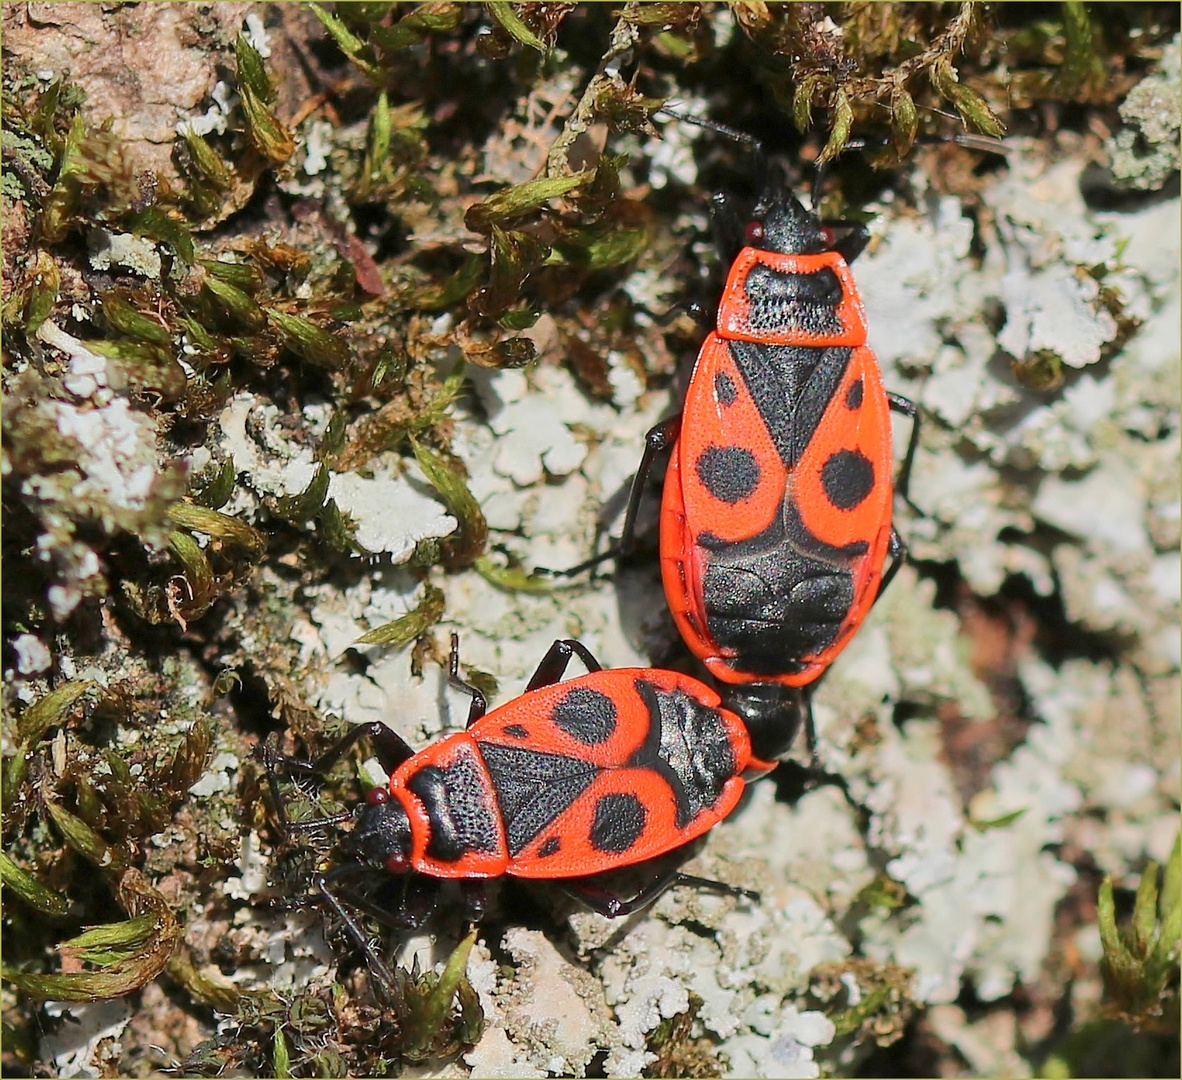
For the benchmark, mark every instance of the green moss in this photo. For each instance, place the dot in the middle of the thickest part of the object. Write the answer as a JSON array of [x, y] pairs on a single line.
[[884, 59], [1140, 965], [883, 1004], [512, 578], [98, 808], [30, 890], [360, 289], [442, 1013], [269, 136], [680, 1052], [403, 630], [125, 955], [448, 478]]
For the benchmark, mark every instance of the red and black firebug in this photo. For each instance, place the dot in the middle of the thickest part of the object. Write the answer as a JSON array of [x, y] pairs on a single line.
[[775, 531], [569, 782]]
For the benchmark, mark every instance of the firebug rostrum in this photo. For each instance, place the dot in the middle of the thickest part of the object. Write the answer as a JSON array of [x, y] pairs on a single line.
[[613, 769], [775, 528]]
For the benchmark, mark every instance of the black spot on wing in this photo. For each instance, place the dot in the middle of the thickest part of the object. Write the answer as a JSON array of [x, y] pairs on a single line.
[[847, 477], [586, 715], [729, 473], [619, 821], [515, 731], [552, 845], [853, 396], [533, 788], [725, 392]]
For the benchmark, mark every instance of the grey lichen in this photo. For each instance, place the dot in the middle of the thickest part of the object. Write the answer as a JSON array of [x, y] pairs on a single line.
[[380, 374], [90, 462], [1145, 153]]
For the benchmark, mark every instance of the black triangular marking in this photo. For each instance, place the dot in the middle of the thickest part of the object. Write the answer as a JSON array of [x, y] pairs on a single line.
[[791, 386], [533, 788]]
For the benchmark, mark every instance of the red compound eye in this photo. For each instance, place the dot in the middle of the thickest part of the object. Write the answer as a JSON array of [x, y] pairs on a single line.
[[396, 864], [377, 795], [753, 232], [828, 236]]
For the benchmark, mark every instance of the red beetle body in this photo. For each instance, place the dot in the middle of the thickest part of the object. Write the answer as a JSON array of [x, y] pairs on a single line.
[[776, 517], [572, 781], [608, 770], [623, 769], [776, 514]]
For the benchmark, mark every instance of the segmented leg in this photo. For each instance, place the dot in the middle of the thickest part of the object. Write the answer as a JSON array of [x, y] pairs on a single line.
[[850, 246], [908, 408], [696, 310], [390, 745], [659, 440], [897, 553], [726, 227], [376, 964], [606, 903], [386, 740], [478, 705], [553, 664]]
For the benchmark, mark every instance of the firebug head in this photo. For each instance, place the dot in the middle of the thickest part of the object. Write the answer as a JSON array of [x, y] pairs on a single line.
[[781, 223], [381, 835]]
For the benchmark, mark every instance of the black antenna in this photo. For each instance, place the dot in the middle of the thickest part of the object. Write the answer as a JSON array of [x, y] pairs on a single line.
[[735, 135], [985, 143]]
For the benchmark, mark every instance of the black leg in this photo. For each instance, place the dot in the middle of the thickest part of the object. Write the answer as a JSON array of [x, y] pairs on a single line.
[[377, 966], [850, 246], [475, 892], [693, 308], [603, 902], [478, 706], [907, 408], [984, 143], [810, 729], [395, 919], [261, 751], [385, 739], [897, 553], [723, 888], [726, 227], [399, 917], [660, 439], [308, 824], [553, 664], [819, 174], [814, 773]]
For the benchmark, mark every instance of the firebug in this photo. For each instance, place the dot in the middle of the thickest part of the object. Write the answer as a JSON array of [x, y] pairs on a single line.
[[776, 534], [573, 780]]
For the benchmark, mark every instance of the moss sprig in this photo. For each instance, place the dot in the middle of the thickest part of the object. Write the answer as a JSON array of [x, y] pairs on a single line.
[[1140, 961]]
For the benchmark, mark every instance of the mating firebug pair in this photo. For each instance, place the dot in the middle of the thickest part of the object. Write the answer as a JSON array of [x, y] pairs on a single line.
[[775, 532]]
